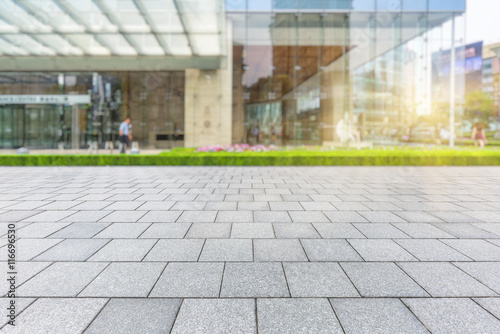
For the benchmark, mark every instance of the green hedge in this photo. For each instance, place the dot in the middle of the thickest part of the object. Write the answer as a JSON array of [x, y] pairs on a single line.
[[375, 157]]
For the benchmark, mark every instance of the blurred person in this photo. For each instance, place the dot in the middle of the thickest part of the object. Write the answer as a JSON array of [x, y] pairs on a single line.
[[125, 134], [273, 135], [479, 135]]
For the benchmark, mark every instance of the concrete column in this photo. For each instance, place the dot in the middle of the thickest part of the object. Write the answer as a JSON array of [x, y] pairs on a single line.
[[75, 127]]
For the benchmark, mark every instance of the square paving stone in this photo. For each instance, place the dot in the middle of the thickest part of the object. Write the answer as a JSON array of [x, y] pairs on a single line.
[[382, 280], [176, 250], [487, 273], [296, 316], [121, 316], [216, 316], [254, 280], [86, 216], [189, 280], [72, 250], [252, 230], [492, 305], [330, 250], [381, 217], [442, 279], [479, 250], [380, 250], [209, 231], [57, 316], [272, 217], [456, 315], [373, 316], [431, 250], [160, 217], [227, 250], [166, 231], [345, 217], [338, 230], [380, 231], [124, 280], [79, 230], [279, 250], [298, 230], [234, 217], [318, 280], [124, 250], [61, 280], [123, 216], [422, 230], [123, 230]]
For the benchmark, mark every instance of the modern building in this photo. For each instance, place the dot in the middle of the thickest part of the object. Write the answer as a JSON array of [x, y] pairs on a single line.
[[197, 72], [491, 75]]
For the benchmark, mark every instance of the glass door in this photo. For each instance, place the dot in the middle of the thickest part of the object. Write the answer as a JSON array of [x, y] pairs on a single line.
[[41, 126], [11, 126]]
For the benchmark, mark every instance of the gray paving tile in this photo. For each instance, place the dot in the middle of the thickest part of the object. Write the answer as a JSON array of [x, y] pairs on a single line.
[[26, 205], [382, 280], [460, 316], [221, 206], [124, 250], [254, 280], [234, 217], [126, 279], [296, 316], [15, 216], [252, 230], [123, 230], [380, 250], [381, 205], [176, 250], [454, 217], [422, 230], [417, 217], [288, 206], [92, 205], [166, 230], [197, 217], [86, 216], [160, 217], [376, 316], [278, 250], [381, 217], [72, 250], [487, 273], [39, 230], [486, 216], [478, 250], [330, 250], [79, 230], [123, 316], [493, 228], [318, 280], [338, 230], [218, 316], [297, 230], [380, 231], [25, 271], [57, 316], [442, 279], [61, 280], [350, 206], [20, 304], [308, 217], [254, 206], [189, 280], [272, 217], [227, 250], [462, 230], [209, 231], [123, 217], [431, 250], [318, 206], [492, 305], [29, 248], [49, 216]]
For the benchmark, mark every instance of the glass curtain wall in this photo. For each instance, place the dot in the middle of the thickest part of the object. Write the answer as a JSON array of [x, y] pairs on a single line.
[[330, 72]]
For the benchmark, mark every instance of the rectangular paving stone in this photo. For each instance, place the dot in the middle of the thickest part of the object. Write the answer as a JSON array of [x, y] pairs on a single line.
[[431, 250], [350, 206], [197, 217], [136, 316], [234, 217], [189, 280], [380, 250], [126, 279], [227, 250], [330, 250], [294, 231], [123, 216], [156, 205], [373, 316], [79, 230], [380, 231], [285, 206], [176, 250], [345, 217], [272, 217], [61, 280], [27, 249], [381, 217], [493, 228], [422, 230], [381, 205], [418, 217], [124, 250], [478, 250], [462, 230], [487, 273], [304, 315], [221, 206], [383, 279], [254, 206], [338, 230], [86, 216], [160, 217], [252, 230], [57, 316], [72, 250], [216, 316], [485, 216], [492, 305], [318, 280], [39, 230], [455, 315], [49, 216], [26, 205], [254, 280], [123, 230], [442, 279], [16, 216], [318, 206], [92, 205], [278, 250], [166, 231], [454, 217], [308, 217]]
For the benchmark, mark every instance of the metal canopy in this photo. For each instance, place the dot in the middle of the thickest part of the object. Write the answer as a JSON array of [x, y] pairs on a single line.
[[164, 34]]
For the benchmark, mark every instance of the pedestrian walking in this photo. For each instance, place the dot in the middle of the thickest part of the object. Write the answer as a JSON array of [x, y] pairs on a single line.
[[125, 135]]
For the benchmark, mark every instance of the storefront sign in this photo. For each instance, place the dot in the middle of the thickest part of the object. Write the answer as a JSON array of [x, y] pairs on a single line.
[[44, 99]]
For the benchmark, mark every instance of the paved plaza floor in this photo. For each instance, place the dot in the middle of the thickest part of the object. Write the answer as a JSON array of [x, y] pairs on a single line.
[[252, 249]]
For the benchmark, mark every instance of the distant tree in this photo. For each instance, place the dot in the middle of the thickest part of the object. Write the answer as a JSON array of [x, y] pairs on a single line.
[[478, 106]]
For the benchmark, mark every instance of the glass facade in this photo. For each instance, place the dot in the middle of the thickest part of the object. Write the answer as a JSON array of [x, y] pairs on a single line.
[[285, 72]]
